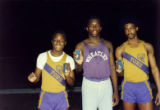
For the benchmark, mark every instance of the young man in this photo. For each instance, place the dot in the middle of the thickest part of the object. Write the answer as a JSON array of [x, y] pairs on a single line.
[[50, 64], [134, 57], [96, 57]]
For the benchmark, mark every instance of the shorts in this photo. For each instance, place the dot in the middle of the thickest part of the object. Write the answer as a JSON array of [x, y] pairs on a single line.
[[140, 92], [53, 101]]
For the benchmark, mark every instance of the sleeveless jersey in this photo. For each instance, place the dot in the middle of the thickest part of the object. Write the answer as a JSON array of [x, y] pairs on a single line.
[[52, 76], [133, 70], [96, 64]]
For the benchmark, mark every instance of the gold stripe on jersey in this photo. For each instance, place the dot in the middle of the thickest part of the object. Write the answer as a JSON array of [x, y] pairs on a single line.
[[132, 72]]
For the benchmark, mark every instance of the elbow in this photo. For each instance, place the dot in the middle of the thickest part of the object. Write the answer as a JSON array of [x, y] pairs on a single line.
[[155, 71], [78, 70], [71, 84]]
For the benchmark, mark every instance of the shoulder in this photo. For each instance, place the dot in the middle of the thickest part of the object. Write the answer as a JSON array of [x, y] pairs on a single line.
[[43, 54], [108, 44], [41, 60], [121, 47], [81, 45], [69, 59], [148, 46]]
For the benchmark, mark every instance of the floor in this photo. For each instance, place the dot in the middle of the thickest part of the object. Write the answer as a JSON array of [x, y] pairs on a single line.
[[29, 101]]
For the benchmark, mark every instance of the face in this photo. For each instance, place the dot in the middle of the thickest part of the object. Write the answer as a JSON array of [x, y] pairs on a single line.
[[130, 30], [94, 27], [58, 42]]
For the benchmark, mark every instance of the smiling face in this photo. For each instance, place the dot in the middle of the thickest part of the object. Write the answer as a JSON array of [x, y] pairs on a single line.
[[94, 27], [58, 42], [130, 30]]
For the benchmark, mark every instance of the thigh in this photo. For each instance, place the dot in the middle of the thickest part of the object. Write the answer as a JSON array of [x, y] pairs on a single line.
[[143, 93], [146, 106], [44, 102], [128, 92], [53, 101], [89, 102], [128, 106], [89, 95], [105, 102], [61, 101]]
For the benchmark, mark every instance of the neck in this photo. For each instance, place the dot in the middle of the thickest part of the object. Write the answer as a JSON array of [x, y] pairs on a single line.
[[94, 38], [133, 41], [56, 53]]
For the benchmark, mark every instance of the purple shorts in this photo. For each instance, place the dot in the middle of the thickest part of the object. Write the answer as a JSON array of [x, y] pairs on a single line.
[[136, 92], [53, 101]]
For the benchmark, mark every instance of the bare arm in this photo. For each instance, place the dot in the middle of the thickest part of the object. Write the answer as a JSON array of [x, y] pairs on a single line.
[[154, 68], [119, 57], [119, 52], [80, 46], [113, 73], [152, 62], [70, 78], [69, 74]]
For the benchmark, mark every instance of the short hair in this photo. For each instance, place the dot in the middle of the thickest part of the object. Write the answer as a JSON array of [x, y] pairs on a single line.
[[94, 17], [129, 19], [60, 32]]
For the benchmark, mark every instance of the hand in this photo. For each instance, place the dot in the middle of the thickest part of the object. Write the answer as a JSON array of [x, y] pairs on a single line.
[[157, 100], [32, 77], [119, 71], [115, 99], [67, 70], [80, 61], [118, 68]]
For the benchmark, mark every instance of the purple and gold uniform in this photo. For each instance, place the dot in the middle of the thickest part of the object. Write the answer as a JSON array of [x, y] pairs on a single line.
[[136, 87], [53, 94]]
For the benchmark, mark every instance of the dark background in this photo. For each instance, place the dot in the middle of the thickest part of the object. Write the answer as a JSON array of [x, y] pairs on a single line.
[[26, 27]]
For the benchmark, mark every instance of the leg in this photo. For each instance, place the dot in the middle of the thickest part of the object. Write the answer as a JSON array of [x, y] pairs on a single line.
[[128, 106], [144, 99], [62, 101], [128, 95], [105, 99], [146, 106], [89, 95], [43, 101]]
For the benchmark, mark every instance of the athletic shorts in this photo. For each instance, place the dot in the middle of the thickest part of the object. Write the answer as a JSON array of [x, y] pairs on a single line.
[[132, 92], [53, 101]]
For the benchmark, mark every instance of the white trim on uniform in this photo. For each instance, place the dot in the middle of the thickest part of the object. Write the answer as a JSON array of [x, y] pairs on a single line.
[[42, 59]]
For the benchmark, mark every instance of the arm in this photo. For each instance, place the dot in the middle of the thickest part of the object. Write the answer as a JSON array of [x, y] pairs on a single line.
[[79, 62], [113, 74], [154, 69], [70, 78], [119, 57], [35, 76]]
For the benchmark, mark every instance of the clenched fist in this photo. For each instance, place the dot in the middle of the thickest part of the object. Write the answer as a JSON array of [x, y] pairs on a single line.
[[32, 77]]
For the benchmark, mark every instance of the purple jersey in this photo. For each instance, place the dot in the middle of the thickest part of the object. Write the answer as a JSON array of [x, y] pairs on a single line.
[[96, 64]]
